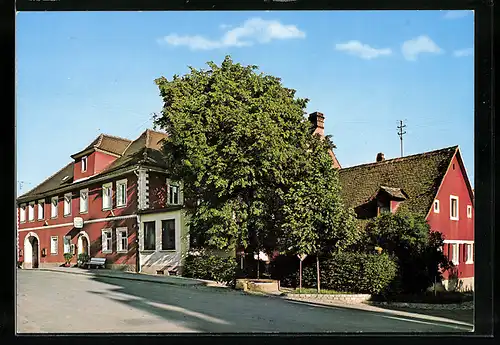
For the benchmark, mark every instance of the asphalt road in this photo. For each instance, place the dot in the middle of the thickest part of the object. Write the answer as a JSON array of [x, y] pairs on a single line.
[[53, 302]]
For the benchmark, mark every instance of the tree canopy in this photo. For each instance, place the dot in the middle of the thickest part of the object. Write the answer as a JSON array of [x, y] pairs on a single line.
[[239, 142]]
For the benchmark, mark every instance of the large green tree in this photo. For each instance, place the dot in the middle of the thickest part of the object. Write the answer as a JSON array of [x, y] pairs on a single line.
[[315, 221], [233, 136]]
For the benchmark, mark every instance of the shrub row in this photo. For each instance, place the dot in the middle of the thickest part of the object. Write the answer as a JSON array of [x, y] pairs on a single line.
[[203, 265]]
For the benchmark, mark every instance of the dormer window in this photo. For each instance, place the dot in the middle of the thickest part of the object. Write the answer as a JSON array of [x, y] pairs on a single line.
[[84, 163], [385, 208]]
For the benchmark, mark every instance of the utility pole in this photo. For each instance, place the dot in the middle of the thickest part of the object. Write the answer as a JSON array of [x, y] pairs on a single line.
[[401, 133]]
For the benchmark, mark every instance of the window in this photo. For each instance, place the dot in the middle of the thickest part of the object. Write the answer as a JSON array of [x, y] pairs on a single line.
[[121, 240], [468, 253], [84, 201], [436, 206], [173, 193], [168, 234], [106, 196], [53, 245], [67, 204], [469, 211], [107, 241], [41, 204], [67, 244], [22, 213], [453, 207], [84, 163], [121, 193], [454, 253], [149, 236], [54, 202], [31, 211]]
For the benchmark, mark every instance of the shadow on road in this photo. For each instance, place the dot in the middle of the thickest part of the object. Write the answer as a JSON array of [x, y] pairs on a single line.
[[220, 310]]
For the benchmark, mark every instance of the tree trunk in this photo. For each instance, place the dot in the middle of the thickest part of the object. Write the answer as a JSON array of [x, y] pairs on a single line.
[[300, 275], [317, 272]]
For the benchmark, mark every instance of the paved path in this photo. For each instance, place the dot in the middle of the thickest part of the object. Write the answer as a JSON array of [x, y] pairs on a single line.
[[56, 302]]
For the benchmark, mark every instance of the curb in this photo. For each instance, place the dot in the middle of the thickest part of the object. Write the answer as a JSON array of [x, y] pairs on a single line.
[[125, 278]]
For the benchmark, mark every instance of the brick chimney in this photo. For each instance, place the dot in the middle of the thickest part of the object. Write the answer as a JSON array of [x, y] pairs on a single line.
[[317, 120], [380, 157]]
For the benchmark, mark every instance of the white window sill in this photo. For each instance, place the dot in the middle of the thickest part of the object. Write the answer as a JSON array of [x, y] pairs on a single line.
[[453, 218], [122, 251], [53, 217], [168, 250], [455, 263], [469, 262], [53, 253], [121, 206], [67, 215], [106, 251], [84, 212]]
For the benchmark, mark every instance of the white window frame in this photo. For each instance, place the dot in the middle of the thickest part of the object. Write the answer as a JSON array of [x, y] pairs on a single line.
[[169, 194], [453, 197], [104, 243], [84, 201], [31, 211], [175, 235], [54, 209], [119, 193], [107, 186], [469, 249], [22, 213], [469, 211], [41, 207], [84, 159], [66, 244], [455, 253], [119, 238], [52, 251], [436, 206], [67, 205]]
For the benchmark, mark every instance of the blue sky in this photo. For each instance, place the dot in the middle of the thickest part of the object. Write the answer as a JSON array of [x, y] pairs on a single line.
[[83, 73]]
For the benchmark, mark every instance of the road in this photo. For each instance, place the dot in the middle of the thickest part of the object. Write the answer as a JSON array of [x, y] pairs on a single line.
[[54, 302]]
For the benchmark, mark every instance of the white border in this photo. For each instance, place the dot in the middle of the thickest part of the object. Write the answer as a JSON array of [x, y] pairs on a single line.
[[458, 207], [119, 238], [108, 250]]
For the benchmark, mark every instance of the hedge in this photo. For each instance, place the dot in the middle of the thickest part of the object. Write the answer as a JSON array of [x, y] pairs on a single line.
[[207, 266], [353, 272]]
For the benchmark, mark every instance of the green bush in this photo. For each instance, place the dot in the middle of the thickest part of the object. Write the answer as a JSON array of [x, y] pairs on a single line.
[[353, 272], [83, 258], [210, 267], [68, 257]]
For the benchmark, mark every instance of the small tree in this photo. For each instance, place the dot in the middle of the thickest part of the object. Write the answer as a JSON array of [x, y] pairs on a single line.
[[408, 237]]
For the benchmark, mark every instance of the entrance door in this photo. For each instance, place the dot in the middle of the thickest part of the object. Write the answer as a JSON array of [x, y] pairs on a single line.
[[85, 245], [34, 245]]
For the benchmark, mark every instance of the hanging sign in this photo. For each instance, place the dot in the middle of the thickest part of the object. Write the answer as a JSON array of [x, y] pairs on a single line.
[[78, 222]]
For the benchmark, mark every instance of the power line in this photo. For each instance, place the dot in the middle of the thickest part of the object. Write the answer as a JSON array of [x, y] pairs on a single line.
[[401, 133]]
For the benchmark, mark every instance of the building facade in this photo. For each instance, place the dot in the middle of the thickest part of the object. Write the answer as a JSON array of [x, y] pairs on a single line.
[[433, 184], [113, 200]]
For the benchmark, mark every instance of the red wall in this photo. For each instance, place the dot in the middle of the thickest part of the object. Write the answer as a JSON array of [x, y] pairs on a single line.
[[95, 205], [94, 232], [101, 161], [454, 183], [157, 190]]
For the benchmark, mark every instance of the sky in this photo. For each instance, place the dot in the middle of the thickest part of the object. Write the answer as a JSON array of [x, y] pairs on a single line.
[[79, 74]]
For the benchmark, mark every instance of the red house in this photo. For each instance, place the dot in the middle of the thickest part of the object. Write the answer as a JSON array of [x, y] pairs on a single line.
[[433, 184], [113, 200]]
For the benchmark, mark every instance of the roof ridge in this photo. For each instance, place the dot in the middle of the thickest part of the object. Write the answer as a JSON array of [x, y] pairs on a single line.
[[404, 158], [116, 137], [48, 178], [155, 131], [100, 140]]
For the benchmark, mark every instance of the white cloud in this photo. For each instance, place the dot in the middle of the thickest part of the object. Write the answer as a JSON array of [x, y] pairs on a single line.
[[422, 44], [224, 26], [361, 50], [252, 31], [456, 14], [463, 52]]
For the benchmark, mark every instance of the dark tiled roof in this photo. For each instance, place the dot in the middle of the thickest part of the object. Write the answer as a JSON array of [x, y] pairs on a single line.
[[143, 150], [108, 143], [419, 176]]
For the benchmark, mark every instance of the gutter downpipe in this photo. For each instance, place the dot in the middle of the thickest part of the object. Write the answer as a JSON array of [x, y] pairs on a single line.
[[137, 252]]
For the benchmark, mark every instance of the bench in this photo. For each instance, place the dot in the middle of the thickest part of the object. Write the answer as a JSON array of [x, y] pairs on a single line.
[[97, 262]]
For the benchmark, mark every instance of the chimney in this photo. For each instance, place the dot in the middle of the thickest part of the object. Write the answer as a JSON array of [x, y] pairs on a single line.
[[380, 157], [317, 120]]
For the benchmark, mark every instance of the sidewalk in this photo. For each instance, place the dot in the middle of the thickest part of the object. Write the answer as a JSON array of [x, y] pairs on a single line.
[[171, 280]]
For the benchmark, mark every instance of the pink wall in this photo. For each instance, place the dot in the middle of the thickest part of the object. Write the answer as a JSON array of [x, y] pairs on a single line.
[[101, 161]]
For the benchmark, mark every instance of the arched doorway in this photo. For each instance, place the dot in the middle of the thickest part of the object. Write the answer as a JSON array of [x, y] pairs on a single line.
[[31, 251], [83, 243]]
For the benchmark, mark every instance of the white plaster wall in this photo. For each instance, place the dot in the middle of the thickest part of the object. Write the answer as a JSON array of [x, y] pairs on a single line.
[[151, 261]]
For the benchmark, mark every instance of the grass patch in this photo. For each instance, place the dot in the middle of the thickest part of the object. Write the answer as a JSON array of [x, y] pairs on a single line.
[[315, 291], [444, 297]]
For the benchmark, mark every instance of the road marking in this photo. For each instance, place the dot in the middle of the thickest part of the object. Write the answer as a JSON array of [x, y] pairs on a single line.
[[432, 323]]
